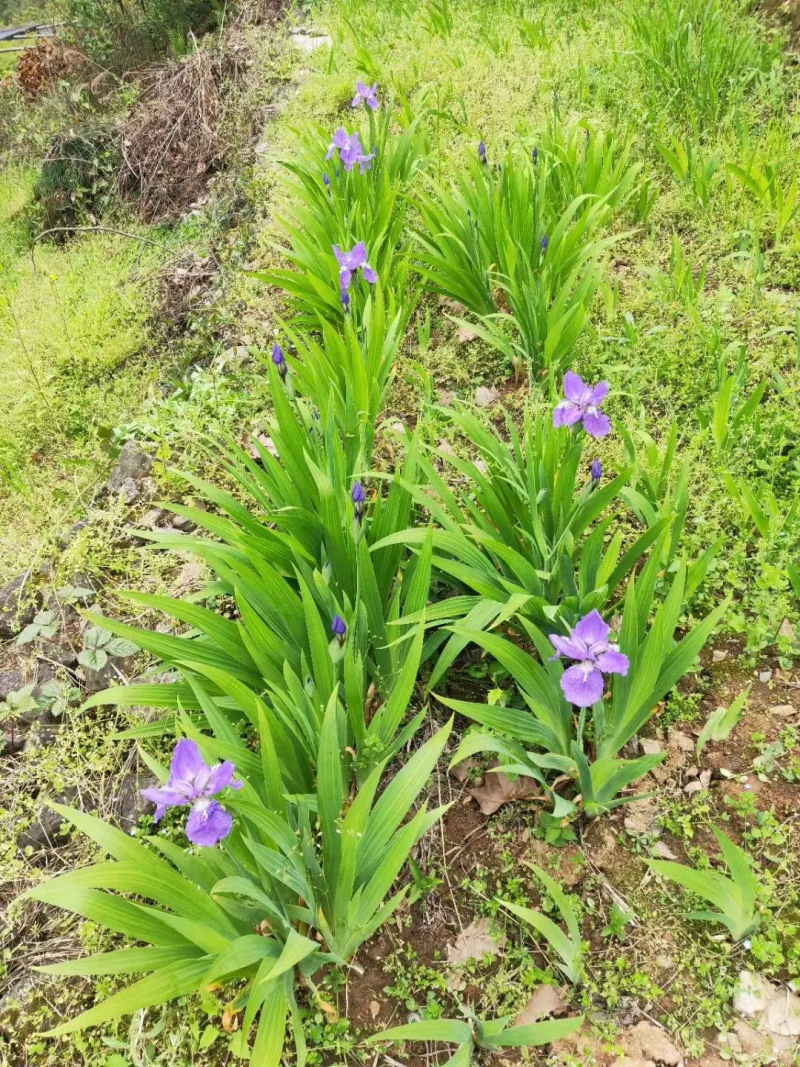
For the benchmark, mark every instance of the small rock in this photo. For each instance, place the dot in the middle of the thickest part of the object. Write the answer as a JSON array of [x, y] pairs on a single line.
[[126, 800], [652, 1043], [148, 489], [784, 710], [40, 736], [765, 676], [649, 746], [786, 629], [17, 606], [132, 465], [114, 672], [12, 741], [750, 1040], [308, 43], [680, 741], [663, 851], [128, 490], [641, 816], [61, 653], [731, 1041], [43, 834], [10, 682], [751, 994], [374, 1009], [695, 786], [718, 655], [182, 522], [486, 396], [152, 519], [446, 397]]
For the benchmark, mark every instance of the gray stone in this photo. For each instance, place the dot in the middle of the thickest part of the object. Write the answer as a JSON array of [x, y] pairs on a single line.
[[10, 682], [61, 653], [17, 606], [115, 672], [40, 736], [132, 465], [12, 740], [650, 746], [308, 43], [43, 835], [126, 800], [486, 396]]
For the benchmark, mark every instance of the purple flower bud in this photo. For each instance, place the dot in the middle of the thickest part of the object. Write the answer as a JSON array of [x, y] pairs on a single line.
[[345, 301], [482, 152], [597, 470], [279, 361], [545, 242], [359, 498], [338, 626], [326, 179], [535, 155]]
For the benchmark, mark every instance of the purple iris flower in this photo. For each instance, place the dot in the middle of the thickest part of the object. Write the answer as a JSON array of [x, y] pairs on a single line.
[[583, 683], [482, 151], [279, 361], [359, 498], [192, 781], [349, 262], [366, 93], [350, 149], [582, 404], [545, 243], [365, 162], [535, 155], [597, 470], [339, 627], [326, 180]]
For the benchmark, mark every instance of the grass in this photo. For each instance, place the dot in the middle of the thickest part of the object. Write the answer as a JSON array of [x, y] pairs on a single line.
[[81, 367]]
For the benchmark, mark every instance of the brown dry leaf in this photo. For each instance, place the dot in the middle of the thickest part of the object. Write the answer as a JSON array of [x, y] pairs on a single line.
[[231, 1021], [498, 789], [465, 334], [461, 771], [547, 1000], [452, 305], [374, 1009], [474, 943], [266, 443]]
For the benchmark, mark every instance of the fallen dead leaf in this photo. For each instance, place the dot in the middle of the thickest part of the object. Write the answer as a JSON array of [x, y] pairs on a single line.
[[374, 1009], [474, 943], [266, 443], [547, 1000], [498, 789], [461, 771], [452, 305], [464, 335]]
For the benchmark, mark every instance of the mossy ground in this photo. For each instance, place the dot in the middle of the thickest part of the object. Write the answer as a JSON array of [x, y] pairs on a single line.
[[84, 366]]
